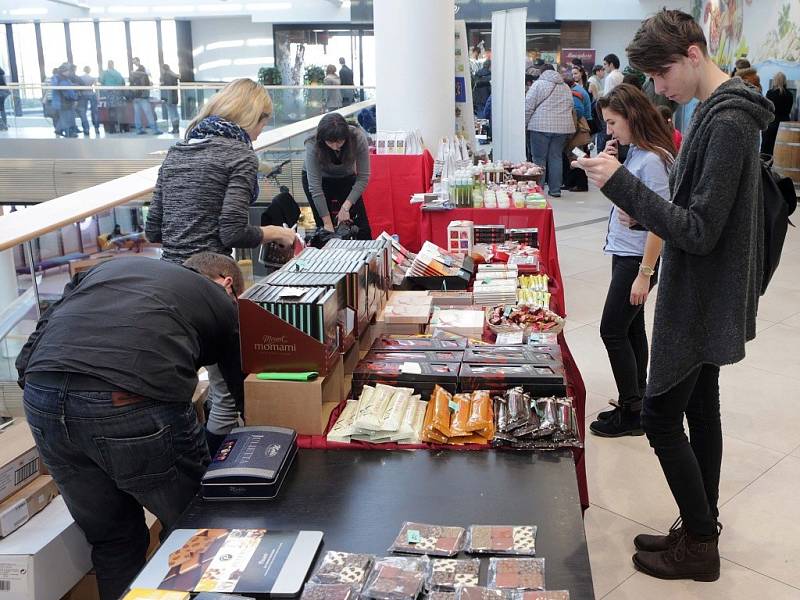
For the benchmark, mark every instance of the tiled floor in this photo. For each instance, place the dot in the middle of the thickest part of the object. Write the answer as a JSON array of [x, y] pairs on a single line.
[[760, 401]]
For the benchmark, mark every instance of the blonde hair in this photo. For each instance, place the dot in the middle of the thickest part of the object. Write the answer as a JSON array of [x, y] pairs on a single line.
[[779, 81], [242, 101]]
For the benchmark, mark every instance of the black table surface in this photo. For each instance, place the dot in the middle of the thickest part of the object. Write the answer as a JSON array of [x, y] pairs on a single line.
[[360, 499]]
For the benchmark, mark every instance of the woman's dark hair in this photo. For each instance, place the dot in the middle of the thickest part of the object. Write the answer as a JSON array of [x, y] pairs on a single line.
[[649, 131], [666, 114], [333, 128]]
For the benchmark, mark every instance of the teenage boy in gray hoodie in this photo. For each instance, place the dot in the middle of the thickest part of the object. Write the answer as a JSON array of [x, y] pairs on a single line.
[[710, 279]]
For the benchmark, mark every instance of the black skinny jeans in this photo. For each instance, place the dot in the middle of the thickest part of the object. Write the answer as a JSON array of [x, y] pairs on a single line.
[[692, 469], [336, 190], [623, 331]]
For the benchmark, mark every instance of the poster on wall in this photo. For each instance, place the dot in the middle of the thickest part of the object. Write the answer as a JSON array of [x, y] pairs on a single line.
[[465, 119], [766, 32], [508, 108], [586, 55]]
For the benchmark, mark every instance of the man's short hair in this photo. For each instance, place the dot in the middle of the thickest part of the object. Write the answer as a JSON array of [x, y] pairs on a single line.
[[217, 265], [342, 60], [596, 69], [612, 59], [663, 40]]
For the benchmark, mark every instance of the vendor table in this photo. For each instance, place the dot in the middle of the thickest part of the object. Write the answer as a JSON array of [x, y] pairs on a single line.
[[393, 180], [360, 499]]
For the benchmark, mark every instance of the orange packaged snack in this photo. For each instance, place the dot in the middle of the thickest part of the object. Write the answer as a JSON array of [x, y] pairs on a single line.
[[440, 399], [481, 416], [429, 433], [458, 425]]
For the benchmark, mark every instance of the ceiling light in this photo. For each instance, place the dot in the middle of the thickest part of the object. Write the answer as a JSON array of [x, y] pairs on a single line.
[[225, 44], [215, 64]]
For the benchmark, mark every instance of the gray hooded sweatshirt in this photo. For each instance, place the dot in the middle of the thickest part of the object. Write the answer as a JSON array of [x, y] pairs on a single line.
[[713, 232]]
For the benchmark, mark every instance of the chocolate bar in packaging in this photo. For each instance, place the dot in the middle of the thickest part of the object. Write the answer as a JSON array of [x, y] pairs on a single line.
[[503, 355], [502, 539], [541, 595], [516, 573], [535, 379], [396, 578], [446, 574], [343, 568], [432, 540], [422, 377], [479, 593], [329, 591], [543, 423], [393, 343], [421, 356]]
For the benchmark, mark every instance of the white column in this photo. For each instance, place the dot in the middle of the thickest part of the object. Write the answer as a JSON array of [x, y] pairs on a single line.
[[414, 59]]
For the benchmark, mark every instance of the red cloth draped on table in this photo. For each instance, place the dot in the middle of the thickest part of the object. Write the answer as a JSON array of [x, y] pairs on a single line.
[[393, 180]]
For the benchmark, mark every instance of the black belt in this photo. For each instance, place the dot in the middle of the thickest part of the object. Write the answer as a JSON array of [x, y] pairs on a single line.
[[75, 381]]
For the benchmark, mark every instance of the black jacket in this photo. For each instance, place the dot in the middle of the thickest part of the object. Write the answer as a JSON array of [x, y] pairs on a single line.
[[171, 79], [139, 78], [346, 75]]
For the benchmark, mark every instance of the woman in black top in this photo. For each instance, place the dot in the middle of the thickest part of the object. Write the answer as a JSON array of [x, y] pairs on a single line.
[[781, 97]]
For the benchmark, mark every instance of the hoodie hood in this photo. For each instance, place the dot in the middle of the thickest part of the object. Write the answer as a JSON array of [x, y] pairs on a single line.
[[737, 95], [551, 76]]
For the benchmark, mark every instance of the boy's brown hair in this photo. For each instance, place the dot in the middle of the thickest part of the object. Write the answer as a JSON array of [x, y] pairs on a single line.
[[663, 39]]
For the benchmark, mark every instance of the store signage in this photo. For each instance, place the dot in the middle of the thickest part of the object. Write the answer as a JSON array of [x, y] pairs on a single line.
[[587, 56], [472, 11]]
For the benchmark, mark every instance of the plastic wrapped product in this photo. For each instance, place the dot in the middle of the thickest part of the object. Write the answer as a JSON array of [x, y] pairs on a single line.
[[516, 573], [501, 413], [344, 428], [479, 593], [481, 417], [519, 408], [540, 595], [502, 539], [546, 410], [439, 595], [435, 540], [458, 425], [329, 591], [429, 432], [447, 573], [396, 578], [343, 567], [440, 400], [567, 421]]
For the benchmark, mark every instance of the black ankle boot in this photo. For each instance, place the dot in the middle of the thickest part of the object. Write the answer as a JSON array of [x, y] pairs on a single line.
[[623, 421], [607, 414], [689, 557], [659, 543]]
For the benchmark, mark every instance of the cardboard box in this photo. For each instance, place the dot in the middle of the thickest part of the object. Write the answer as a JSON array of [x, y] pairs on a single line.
[[19, 458], [45, 558], [302, 406], [350, 360], [19, 508]]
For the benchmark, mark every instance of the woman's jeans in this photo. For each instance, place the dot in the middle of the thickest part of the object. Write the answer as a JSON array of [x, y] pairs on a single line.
[[692, 469], [110, 461], [142, 108], [623, 331], [546, 149], [336, 190]]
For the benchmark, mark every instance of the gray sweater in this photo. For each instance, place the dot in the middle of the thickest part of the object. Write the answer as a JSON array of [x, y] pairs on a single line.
[[316, 172], [713, 236], [202, 197]]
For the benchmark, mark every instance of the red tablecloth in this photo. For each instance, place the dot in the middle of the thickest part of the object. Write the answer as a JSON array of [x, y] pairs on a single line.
[[433, 227], [393, 180]]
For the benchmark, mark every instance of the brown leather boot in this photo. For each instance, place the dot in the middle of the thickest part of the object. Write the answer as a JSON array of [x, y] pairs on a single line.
[[690, 557], [659, 543]]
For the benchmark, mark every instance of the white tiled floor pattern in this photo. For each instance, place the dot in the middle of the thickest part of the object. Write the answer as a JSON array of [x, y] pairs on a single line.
[[760, 487]]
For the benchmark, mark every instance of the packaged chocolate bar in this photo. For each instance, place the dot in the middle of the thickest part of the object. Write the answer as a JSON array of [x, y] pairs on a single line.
[[542, 595], [439, 405], [329, 591], [491, 355], [516, 573], [441, 595], [344, 427], [479, 593], [389, 343], [458, 424], [481, 417], [432, 540], [343, 568], [396, 578], [423, 356], [446, 574], [534, 379], [502, 539], [422, 377]]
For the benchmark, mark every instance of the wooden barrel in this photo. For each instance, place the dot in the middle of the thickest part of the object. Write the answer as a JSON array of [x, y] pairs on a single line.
[[787, 151]]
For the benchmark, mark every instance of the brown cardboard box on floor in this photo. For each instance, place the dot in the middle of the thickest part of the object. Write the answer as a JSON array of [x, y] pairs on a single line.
[[19, 458], [303, 406], [18, 508]]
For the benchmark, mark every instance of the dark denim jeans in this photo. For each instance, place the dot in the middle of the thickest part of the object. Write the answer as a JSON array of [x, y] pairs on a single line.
[[692, 469], [547, 149], [109, 462]]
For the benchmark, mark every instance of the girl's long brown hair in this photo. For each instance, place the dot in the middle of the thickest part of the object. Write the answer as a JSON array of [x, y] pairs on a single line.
[[649, 131]]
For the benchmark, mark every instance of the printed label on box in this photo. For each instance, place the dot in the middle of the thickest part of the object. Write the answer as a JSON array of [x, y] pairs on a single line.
[[14, 576], [15, 475], [14, 517]]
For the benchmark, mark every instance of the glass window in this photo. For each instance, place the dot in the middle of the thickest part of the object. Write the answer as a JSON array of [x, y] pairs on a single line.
[[27, 58], [144, 44], [113, 46], [4, 53], [169, 42], [84, 51], [54, 45]]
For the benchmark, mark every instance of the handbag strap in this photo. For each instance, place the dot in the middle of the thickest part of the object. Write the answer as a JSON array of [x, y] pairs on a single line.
[[535, 108]]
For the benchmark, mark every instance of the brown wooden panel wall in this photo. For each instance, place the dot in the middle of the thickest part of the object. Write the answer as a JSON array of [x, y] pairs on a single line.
[[576, 34]]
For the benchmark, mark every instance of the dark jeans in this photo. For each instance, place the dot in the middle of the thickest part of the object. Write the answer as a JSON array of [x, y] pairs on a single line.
[[692, 469], [3, 96], [547, 150], [90, 103], [336, 190], [623, 331], [111, 461]]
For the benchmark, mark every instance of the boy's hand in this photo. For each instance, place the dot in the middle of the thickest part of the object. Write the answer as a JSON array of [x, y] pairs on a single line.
[[600, 169]]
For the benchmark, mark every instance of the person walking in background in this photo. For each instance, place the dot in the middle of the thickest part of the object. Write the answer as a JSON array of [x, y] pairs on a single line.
[[711, 278], [741, 63], [782, 99], [170, 97], [64, 101], [114, 100], [333, 97], [596, 83], [613, 75], [201, 201], [87, 99], [143, 116], [677, 137], [631, 119], [346, 78], [575, 179], [3, 95], [482, 87], [548, 119]]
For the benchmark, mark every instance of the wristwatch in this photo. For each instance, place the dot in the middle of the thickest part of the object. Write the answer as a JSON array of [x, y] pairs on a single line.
[[647, 271]]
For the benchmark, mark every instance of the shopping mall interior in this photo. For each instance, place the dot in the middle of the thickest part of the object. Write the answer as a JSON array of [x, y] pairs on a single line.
[[473, 267]]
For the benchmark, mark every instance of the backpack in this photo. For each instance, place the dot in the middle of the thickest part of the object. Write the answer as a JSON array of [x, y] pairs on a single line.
[[780, 201]]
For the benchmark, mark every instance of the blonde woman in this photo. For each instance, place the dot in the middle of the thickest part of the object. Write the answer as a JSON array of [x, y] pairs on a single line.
[[205, 186], [333, 98], [782, 98]]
